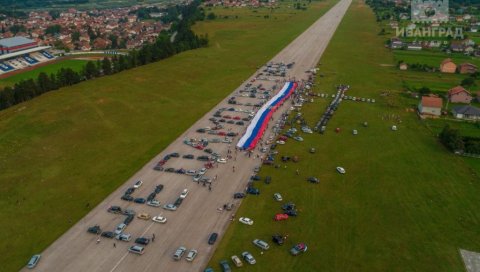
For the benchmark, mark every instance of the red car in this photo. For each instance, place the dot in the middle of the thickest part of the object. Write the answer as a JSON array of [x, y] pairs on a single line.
[[236, 118], [199, 147], [282, 138], [221, 133], [227, 117], [280, 217], [162, 162], [208, 165]]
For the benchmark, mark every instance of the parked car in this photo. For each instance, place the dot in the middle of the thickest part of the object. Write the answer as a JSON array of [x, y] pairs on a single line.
[[298, 248], [179, 253], [159, 219], [203, 158], [313, 180], [158, 188], [174, 155], [191, 172], [238, 195], [268, 180], [248, 257], [197, 177], [95, 229], [108, 234], [261, 244], [114, 209], [34, 261], [153, 203], [278, 239], [188, 156], [137, 184], [291, 213], [170, 207], [124, 237], [137, 249], [144, 216], [246, 221], [127, 198], [341, 170], [236, 261], [277, 196], [253, 191], [298, 138], [184, 194], [140, 200], [142, 240], [120, 227], [202, 171], [280, 217], [224, 265], [191, 255], [128, 219], [212, 238]]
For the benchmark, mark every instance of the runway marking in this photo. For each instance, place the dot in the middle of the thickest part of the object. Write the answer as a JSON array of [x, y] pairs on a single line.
[[124, 256]]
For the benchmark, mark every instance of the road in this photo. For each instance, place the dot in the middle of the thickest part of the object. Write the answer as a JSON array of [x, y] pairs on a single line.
[[198, 216]]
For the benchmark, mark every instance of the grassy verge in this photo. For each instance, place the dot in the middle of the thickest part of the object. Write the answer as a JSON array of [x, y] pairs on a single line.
[[76, 65], [74, 146], [405, 203]]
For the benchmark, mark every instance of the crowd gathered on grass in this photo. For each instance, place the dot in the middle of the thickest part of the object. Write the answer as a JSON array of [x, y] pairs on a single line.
[[165, 46]]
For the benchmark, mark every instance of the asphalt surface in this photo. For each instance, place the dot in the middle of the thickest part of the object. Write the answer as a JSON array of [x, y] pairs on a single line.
[[199, 214]]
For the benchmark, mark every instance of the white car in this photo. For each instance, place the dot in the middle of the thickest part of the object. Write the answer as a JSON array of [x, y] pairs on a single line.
[[246, 221], [197, 177], [137, 184], [222, 160], [237, 261], [202, 171], [298, 138], [341, 170], [280, 142], [277, 197], [153, 203], [354, 132], [191, 172], [184, 194], [159, 219], [191, 255]]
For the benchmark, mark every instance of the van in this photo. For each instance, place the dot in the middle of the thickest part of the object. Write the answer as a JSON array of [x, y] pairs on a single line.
[[261, 244], [33, 261], [137, 249]]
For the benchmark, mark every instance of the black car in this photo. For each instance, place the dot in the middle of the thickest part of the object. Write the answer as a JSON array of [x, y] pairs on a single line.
[[129, 191], [139, 200], [222, 120], [128, 219], [151, 196], [95, 229], [313, 180], [127, 197], [230, 122], [231, 134], [238, 195], [268, 179], [240, 123], [142, 241], [180, 171], [158, 188], [208, 150], [288, 206], [213, 119], [158, 167], [202, 158], [246, 119], [291, 212], [285, 158], [253, 191], [166, 158], [255, 178], [178, 202], [201, 130], [273, 146], [114, 209], [174, 155], [170, 170], [108, 234], [278, 239], [189, 156], [212, 238]]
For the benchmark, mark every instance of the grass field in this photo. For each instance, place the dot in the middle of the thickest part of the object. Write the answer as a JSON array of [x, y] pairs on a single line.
[[405, 204], [74, 146], [76, 65]]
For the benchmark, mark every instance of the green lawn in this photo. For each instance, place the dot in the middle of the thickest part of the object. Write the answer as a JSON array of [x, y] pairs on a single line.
[[74, 146], [405, 204], [432, 58], [76, 65]]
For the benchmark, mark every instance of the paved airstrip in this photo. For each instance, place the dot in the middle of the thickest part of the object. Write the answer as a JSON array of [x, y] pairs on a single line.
[[198, 216]]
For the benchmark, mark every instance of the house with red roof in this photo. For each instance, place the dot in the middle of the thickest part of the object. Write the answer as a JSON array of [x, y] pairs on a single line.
[[459, 95], [447, 66], [430, 106]]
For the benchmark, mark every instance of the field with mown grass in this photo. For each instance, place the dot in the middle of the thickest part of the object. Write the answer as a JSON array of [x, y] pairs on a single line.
[[76, 65], [73, 147], [405, 203]]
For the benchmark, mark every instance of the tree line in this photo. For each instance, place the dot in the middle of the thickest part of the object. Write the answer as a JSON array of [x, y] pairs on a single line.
[[455, 142], [164, 47]]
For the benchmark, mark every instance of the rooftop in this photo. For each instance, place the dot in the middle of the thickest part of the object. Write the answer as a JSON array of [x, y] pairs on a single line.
[[432, 102], [15, 41]]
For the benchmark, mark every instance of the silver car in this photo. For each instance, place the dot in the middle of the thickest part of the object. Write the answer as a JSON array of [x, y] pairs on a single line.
[[170, 207], [119, 229], [191, 255], [179, 253]]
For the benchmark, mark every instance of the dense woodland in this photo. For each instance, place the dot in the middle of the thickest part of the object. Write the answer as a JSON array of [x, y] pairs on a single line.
[[454, 141], [163, 48]]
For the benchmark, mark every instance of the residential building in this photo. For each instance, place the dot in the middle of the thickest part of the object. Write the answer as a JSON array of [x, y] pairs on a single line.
[[430, 106], [467, 68], [403, 66], [458, 94], [447, 66], [466, 112]]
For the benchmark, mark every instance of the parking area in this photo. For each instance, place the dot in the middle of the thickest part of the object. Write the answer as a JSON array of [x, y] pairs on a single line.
[[187, 223]]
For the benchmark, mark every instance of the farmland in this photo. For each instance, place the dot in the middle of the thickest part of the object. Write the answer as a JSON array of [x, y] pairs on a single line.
[[404, 204], [63, 152]]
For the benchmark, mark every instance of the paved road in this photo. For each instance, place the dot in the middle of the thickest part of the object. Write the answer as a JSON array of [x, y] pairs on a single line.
[[198, 216]]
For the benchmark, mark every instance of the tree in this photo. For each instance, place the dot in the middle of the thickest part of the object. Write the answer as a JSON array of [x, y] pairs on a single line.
[[91, 70], [451, 138], [106, 66], [211, 16], [114, 39], [43, 82], [424, 90], [468, 82], [55, 14], [75, 36], [53, 29], [17, 28]]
